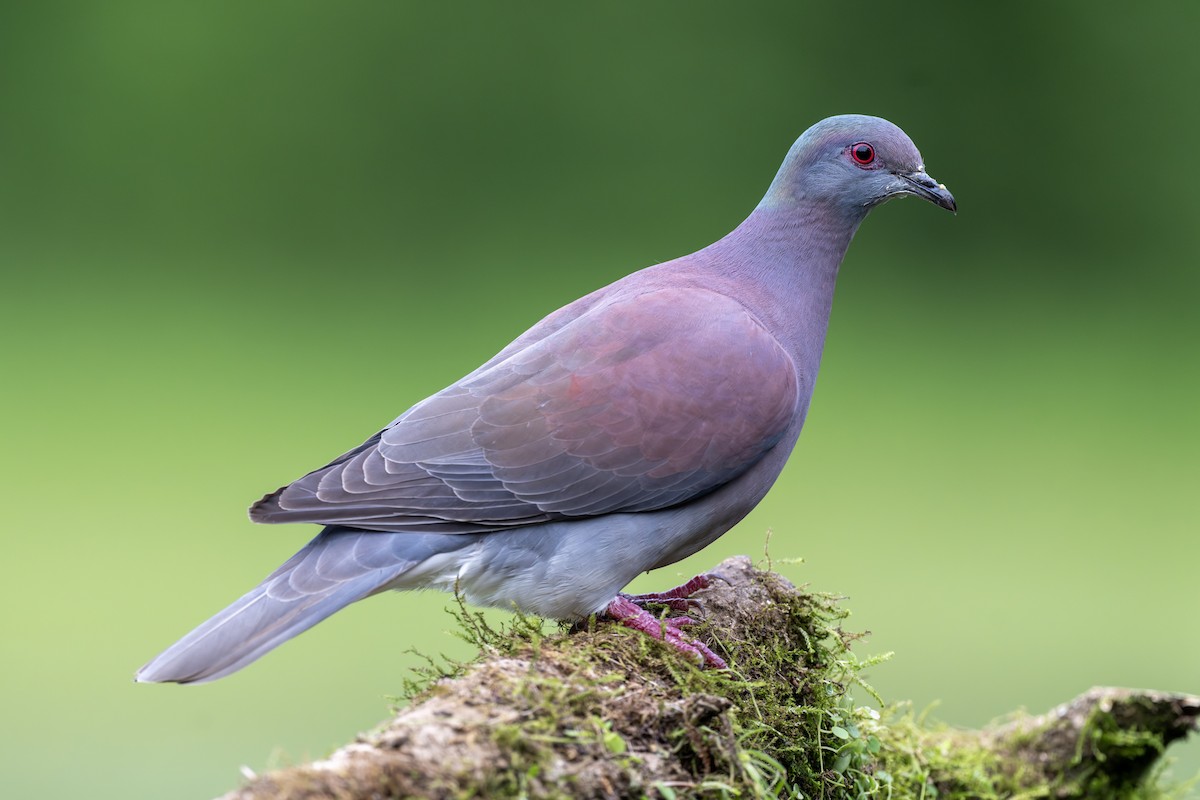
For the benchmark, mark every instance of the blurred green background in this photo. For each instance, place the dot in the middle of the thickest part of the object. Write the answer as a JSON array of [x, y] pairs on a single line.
[[237, 238]]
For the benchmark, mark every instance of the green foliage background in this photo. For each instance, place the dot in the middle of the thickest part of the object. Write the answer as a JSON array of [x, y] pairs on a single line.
[[236, 238]]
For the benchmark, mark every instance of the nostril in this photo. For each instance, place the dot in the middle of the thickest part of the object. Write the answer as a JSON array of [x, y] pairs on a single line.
[[921, 179]]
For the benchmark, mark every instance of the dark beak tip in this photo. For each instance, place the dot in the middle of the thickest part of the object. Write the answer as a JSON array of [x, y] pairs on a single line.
[[939, 195], [920, 184]]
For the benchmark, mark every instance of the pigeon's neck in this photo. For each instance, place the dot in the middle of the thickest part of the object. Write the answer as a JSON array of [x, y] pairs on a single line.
[[785, 262], [794, 241]]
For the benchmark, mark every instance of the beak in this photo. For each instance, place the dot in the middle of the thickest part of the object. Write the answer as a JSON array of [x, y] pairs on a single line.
[[921, 185]]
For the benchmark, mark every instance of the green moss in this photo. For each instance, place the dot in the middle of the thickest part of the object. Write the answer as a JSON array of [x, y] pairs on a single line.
[[784, 721]]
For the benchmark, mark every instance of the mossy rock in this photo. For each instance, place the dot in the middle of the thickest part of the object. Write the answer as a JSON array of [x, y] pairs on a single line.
[[606, 712]]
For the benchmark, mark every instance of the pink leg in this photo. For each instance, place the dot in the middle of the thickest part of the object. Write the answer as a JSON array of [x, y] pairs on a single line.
[[677, 599], [626, 611]]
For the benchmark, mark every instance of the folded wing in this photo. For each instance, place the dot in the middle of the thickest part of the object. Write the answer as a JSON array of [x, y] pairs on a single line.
[[638, 404]]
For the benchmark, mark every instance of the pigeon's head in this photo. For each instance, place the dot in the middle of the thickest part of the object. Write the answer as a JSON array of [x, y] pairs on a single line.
[[853, 163]]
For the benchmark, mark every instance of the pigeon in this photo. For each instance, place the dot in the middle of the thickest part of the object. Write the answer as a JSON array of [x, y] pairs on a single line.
[[623, 432]]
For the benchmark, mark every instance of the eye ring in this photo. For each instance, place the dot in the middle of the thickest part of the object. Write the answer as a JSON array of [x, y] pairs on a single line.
[[862, 153]]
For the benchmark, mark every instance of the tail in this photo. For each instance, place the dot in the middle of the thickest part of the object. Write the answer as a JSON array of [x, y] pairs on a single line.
[[334, 570]]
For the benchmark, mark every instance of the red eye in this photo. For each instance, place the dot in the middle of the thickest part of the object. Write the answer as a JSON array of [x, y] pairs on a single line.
[[862, 153]]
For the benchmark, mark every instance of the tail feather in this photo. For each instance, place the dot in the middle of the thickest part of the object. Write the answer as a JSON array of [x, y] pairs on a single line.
[[337, 568]]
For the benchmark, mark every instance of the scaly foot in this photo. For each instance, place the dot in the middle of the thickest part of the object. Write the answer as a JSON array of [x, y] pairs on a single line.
[[677, 599], [630, 611]]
